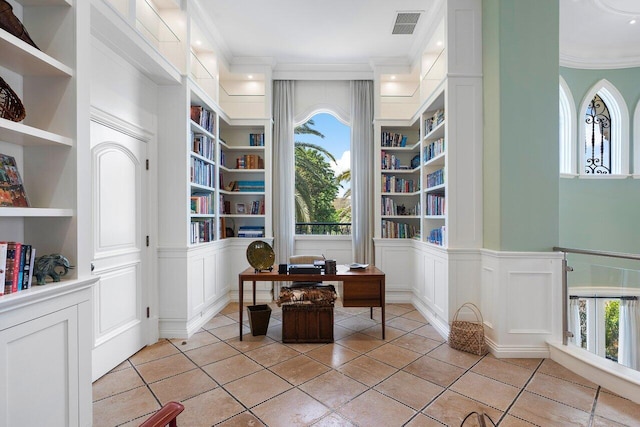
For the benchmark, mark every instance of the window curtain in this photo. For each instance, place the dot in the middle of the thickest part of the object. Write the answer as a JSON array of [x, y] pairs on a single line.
[[362, 170], [283, 172], [574, 321], [629, 343]]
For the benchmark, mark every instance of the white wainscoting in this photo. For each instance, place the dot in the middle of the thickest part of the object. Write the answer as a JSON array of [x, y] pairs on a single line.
[[521, 300]]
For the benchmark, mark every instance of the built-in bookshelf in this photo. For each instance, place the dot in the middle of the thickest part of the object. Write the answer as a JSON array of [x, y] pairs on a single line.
[[400, 181], [51, 151], [242, 179], [44, 143], [202, 172], [434, 173]]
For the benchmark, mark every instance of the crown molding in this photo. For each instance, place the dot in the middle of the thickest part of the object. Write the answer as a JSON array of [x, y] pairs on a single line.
[[571, 61]]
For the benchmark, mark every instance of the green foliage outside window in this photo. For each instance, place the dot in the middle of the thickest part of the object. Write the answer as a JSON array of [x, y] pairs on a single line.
[[611, 325]]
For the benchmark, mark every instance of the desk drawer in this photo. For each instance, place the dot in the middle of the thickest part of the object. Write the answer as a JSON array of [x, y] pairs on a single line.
[[361, 294]]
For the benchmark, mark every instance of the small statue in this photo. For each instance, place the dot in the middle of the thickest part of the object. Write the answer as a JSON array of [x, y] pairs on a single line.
[[54, 265]]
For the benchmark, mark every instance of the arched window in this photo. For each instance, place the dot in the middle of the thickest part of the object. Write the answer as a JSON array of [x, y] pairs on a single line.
[[567, 137], [604, 132], [597, 144], [636, 143], [322, 175]]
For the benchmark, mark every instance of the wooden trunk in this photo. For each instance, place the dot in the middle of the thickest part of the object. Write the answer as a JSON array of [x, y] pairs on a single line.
[[307, 323]]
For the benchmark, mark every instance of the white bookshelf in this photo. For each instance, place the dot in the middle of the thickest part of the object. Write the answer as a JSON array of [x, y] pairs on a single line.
[[51, 150], [398, 186]]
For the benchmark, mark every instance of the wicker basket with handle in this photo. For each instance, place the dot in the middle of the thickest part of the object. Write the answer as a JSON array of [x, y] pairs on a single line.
[[467, 335], [11, 107]]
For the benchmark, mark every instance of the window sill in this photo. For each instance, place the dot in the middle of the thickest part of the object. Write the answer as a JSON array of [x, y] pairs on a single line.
[[609, 176]]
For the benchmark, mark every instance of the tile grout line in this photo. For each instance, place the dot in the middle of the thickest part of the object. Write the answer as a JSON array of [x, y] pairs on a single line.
[[515, 399]]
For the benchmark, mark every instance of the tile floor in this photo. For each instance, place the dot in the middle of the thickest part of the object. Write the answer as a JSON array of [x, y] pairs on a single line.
[[411, 379]]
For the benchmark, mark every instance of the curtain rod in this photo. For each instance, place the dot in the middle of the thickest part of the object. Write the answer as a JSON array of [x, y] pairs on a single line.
[[623, 297]]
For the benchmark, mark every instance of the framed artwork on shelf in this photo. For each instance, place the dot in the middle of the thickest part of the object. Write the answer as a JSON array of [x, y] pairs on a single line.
[[241, 208]]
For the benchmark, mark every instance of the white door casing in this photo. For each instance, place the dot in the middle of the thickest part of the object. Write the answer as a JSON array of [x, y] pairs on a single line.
[[119, 209]]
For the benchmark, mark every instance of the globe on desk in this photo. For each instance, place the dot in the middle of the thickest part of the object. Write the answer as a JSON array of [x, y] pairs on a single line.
[[260, 256]]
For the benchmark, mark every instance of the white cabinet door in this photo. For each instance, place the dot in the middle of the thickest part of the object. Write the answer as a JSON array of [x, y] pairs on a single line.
[[39, 367], [119, 246]]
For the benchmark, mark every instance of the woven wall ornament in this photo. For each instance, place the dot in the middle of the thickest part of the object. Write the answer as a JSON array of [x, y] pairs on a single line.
[[10, 23], [11, 107]]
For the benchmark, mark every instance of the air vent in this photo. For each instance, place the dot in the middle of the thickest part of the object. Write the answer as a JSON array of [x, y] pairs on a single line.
[[405, 22]]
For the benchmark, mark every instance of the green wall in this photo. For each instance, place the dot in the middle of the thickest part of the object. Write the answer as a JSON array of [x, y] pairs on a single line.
[[602, 214], [520, 165]]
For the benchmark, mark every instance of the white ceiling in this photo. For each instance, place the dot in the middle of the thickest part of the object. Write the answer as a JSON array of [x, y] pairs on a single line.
[[352, 33], [598, 33]]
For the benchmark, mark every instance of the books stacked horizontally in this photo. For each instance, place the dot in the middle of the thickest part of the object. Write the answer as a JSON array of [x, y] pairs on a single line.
[[247, 186], [252, 231], [16, 266]]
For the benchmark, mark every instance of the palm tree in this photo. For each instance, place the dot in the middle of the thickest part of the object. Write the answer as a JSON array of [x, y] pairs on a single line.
[[305, 181]]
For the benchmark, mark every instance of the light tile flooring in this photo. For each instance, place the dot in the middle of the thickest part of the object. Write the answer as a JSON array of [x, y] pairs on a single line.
[[411, 379]]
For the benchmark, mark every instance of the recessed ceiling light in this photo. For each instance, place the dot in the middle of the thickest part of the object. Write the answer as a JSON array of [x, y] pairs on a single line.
[[199, 42], [250, 76], [633, 21], [439, 43], [393, 77]]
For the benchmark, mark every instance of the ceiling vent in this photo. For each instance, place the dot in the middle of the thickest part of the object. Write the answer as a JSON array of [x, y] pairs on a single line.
[[405, 22]]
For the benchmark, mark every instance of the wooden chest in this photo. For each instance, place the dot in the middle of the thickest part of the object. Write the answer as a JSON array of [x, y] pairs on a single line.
[[307, 323]]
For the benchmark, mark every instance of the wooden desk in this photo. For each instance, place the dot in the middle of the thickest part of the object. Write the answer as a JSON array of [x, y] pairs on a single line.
[[361, 288]]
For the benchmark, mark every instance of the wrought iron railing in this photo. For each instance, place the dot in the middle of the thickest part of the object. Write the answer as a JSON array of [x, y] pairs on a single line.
[[324, 228]]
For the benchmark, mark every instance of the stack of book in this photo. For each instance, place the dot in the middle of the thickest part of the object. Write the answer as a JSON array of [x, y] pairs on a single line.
[[252, 231], [16, 266], [247, 186]]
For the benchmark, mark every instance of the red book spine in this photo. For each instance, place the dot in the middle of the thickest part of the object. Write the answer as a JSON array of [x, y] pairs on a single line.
[[16, 267]]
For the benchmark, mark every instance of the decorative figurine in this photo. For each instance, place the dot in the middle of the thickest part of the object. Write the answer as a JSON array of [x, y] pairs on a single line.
[[54, 266]]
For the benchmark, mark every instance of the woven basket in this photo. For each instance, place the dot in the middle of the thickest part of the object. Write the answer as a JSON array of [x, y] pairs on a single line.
[[468, 335], [10, 23], [11, 107]]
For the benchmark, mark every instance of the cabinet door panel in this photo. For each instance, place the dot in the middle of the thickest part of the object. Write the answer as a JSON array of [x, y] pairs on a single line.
[[30, 350]]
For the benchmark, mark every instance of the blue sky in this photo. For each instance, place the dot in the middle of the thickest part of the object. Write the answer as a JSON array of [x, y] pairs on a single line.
[[337, 140]]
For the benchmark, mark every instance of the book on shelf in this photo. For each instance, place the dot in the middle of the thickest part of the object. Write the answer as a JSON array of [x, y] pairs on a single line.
[[256, 139], [393, 139], [252, 231], [249, 161], [3, 263], [246, 186], [432, 122], [11, 189], [203, 117], [17, 262], [202, 231], [12, 267], [203, 146], [29, 267]]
